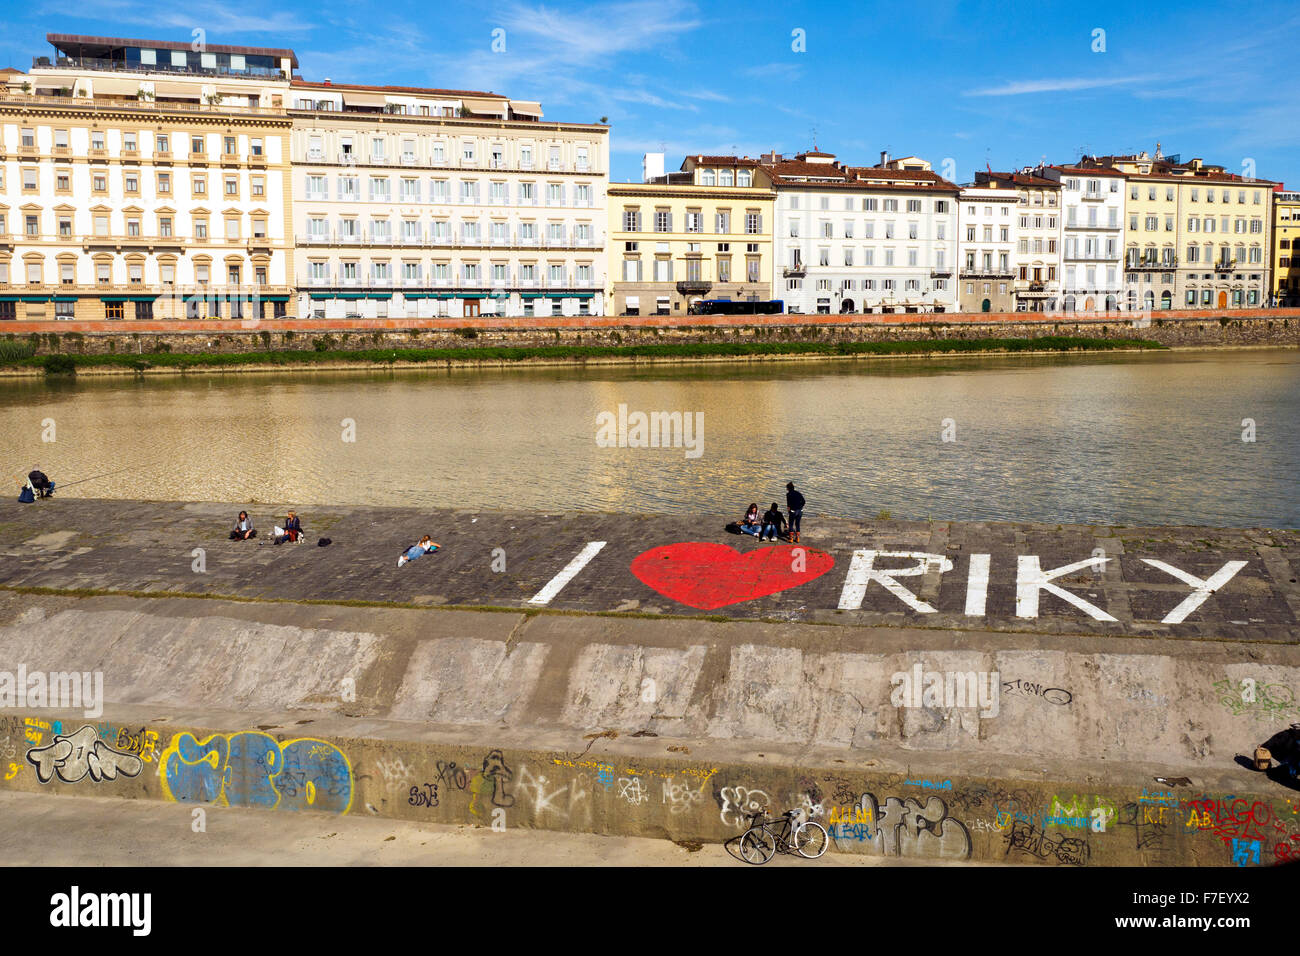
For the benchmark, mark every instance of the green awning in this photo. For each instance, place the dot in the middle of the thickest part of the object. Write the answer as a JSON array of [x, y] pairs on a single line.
[[143, 298], [471, 295], [112, 298], [416, 295], [65, 298], [8, 298], [379, 295], [322, 295], [36, 298], [275, 298], [533, 295]]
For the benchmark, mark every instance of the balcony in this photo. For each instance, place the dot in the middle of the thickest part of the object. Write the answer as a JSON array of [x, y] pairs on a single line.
[[795, 271], [1225, 265], [1146, 264], [939, 272], [988, 273], [694, 287]]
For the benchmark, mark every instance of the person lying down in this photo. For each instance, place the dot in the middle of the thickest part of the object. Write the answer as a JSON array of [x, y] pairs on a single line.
[[424, 546]]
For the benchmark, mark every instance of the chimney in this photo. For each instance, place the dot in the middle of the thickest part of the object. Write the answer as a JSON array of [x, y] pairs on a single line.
[[327, 81], [884, 157]]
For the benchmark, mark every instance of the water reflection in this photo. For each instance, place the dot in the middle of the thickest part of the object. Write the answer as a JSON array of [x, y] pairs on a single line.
[[1126, 438]]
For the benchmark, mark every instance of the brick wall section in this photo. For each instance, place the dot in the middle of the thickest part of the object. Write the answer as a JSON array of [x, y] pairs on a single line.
[[1174, 328]]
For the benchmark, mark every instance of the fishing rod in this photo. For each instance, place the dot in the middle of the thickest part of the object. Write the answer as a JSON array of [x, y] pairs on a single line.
[[107, 474]]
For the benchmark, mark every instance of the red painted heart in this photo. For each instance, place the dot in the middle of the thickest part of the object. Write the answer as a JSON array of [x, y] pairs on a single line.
[[706, 576]]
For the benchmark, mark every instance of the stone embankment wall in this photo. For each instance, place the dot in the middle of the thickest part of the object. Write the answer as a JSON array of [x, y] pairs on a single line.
[[1274, 328]]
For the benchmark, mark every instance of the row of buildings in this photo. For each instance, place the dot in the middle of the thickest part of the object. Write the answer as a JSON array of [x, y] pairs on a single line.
[[152, 179]]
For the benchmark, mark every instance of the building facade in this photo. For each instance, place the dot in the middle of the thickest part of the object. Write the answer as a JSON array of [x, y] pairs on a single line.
[[1286, 252], [704, 232], [1092, 237], [1037, 257], [987, 237], [146, 180], [412, 202], [1197, 237], [848, 239]]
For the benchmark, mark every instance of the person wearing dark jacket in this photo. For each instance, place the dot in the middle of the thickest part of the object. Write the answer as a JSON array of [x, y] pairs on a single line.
[[773, 522], [41, 485], [794, 504], [292, 530]]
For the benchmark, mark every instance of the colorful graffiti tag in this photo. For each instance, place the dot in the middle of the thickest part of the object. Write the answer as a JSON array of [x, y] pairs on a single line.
[[253, 769]]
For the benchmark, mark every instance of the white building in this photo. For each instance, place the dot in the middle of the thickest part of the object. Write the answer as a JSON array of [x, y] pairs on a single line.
[[987, 235], [420, 202], [877, 238], [1092, 257]]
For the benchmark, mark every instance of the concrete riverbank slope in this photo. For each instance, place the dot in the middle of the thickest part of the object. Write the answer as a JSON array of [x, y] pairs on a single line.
[[666, 681]]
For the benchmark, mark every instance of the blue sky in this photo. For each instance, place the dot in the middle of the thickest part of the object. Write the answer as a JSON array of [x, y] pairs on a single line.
[[973, 83]]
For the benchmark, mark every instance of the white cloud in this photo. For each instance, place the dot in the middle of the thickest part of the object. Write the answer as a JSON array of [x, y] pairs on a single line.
[[1060, 85]]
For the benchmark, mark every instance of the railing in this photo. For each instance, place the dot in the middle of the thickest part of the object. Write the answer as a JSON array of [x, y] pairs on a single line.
[[101, 65], [132, 103]]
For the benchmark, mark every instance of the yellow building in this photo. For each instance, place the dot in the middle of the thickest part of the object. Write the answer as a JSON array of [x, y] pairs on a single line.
[[702, 233], [1286, 252]]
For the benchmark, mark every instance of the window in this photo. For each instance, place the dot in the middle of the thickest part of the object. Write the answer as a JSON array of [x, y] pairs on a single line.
[[232, 185], [257, 185], [65, 225], [115, 310], [753, 224], [103, 273], [200, 185], [161, 144], [663, 221]]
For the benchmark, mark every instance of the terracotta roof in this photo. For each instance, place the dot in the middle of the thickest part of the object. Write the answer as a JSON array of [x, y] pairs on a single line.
[[722, 161], [71, 39], [1020, 179], [305, 84], [1090, 171], [885, 172], [794, 172]]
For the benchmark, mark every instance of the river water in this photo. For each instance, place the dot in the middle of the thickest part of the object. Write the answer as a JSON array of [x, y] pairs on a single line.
[[1132, 438]]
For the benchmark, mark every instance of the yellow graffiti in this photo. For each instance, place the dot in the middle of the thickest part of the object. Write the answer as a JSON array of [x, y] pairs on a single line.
[[851, 815], [13, 771], [701, 772]]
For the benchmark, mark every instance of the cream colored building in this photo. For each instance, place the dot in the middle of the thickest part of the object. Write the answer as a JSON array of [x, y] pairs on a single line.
[[1196, 236], [413, 202], [145, 180], [702, 233]]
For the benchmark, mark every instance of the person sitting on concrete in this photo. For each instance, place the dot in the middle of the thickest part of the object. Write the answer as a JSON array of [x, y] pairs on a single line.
[[424, 546], [773, 522], [42, 487], [1284, 747], [749, 524], [243, 528], [292, 530]]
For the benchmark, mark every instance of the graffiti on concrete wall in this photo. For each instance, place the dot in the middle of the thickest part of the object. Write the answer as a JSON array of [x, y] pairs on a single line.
[[738, 802], [1025, 838], [253, 769], [79, 755], [489, 787], [1248, 698], [1036, 691]]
